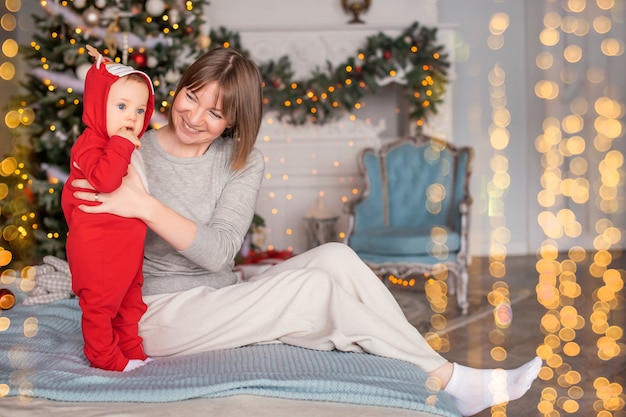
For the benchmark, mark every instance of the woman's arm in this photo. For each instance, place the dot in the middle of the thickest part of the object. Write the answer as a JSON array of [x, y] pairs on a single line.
[[210, 243], [131, 200], [219, 237]]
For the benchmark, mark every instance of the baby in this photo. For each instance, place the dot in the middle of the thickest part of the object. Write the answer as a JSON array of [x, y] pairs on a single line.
[[104, 251]]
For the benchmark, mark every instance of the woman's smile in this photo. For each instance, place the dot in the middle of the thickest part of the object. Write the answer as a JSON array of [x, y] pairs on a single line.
[[189, 127]]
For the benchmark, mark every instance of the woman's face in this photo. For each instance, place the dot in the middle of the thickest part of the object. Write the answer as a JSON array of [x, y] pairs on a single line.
[[197, 115]]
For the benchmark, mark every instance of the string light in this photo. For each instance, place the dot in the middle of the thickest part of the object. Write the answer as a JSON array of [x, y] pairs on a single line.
[[564, 148], [348, 81]]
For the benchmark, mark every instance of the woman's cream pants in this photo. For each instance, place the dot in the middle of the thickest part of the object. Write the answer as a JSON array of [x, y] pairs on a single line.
[[325, 298]]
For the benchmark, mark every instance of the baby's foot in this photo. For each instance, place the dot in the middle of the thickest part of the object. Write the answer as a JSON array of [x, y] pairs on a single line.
[[473, 390], [133, 364]]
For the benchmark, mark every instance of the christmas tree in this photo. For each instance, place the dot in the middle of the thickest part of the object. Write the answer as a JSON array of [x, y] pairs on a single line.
[[160, 37]]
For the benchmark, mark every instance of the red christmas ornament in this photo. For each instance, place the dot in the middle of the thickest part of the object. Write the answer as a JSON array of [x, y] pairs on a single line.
[[387, 55], [29, 194], [139, 59], [7, 299]]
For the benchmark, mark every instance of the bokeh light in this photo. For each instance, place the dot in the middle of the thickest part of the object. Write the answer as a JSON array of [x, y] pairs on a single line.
[[582, 167]]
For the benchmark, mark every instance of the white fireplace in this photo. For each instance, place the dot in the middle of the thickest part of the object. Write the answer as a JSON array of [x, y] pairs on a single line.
[[304, 162]]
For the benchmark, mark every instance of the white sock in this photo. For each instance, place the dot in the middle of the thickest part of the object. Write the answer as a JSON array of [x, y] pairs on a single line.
[[148, 360], [133, 364], [473, 390]]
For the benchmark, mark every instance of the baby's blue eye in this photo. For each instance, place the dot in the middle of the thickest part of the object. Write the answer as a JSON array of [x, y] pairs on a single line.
[[121, 106], [140, 111]]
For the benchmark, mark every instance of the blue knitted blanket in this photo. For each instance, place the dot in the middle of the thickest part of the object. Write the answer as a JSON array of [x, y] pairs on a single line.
[[41, 355]]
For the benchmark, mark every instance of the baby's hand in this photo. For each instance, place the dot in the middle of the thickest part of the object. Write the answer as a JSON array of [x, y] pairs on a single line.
[[129, 135]]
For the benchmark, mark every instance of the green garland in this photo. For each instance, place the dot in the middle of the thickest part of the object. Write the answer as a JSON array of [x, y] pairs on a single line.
[[334, 90]]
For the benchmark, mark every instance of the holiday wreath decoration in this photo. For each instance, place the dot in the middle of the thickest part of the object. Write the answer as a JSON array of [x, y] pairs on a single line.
[[413, 59]]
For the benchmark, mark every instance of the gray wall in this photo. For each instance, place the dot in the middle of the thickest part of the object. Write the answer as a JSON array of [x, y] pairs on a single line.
[[473, 114]]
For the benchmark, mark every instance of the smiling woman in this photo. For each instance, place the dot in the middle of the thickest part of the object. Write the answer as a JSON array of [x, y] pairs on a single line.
[[197, 118], [208, 103]]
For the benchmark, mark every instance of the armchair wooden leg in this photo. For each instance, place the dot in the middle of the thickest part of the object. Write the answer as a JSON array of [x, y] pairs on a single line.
[[385, 279], [461, 295]]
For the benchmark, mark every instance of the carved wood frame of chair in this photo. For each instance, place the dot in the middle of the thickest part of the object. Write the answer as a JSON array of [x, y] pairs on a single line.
[[456, 166]]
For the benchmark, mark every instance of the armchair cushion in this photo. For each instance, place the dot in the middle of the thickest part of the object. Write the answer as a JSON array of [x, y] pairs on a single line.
[[406, 241]]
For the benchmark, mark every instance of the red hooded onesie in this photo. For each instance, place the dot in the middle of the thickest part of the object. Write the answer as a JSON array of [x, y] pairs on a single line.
[[104, 251]]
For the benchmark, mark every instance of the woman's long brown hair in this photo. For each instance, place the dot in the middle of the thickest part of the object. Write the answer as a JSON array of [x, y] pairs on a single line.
[[241, 91]]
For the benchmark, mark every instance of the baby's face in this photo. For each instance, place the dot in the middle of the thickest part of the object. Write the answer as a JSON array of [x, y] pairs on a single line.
[[126, 106]]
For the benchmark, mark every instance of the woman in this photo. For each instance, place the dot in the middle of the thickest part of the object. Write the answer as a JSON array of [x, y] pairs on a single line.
[[204, 175]]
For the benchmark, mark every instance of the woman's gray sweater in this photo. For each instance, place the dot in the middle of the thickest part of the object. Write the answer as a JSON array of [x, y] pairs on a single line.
[[206, 190]]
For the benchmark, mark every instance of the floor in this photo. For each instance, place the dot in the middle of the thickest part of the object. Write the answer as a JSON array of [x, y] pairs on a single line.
[[575, 381]]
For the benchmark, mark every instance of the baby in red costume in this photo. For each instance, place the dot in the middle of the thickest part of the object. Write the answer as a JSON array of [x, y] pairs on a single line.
[[104, 251]]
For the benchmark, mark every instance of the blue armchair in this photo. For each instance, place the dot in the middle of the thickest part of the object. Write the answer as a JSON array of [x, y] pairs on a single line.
[[412, 217]]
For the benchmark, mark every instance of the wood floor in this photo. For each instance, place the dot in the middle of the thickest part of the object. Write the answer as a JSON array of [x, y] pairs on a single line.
[[575, 380]]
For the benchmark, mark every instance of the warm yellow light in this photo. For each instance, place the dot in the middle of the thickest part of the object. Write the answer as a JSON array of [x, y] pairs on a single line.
[[605, 4], [547, 89], [576, 6], [549, 37], [573, 53], [612, 47], [552, 20], [10, 48], [602, 24], [498, 23]]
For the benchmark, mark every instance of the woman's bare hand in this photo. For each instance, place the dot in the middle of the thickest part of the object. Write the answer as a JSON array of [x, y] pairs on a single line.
[[126, 201]]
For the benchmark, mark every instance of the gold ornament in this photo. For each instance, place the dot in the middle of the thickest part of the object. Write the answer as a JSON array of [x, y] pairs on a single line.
[[356, 8], [203, 41], [110, 38]]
